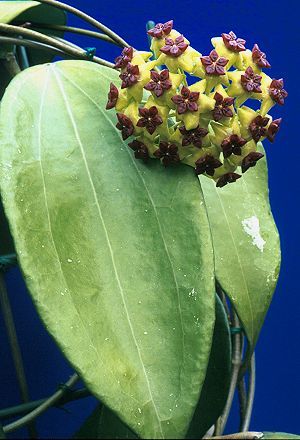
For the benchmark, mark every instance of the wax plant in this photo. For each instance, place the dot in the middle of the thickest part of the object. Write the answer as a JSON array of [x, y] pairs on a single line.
[[152, 274]]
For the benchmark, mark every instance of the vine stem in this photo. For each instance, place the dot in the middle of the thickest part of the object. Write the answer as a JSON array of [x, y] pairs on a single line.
[[236, 361], [88, 19], [250, 398], [73, 30], [240, 436], [51, 401], [53, 42]]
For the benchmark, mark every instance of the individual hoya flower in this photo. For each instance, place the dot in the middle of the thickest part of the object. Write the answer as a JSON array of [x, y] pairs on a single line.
[[213, 64], [161, 30], [273, 92], [273, 129], [125, 125], [277, 92], [233, 144], [193, 137], [231, 48], [207, 164], [257, 127], [251, 160], [140, 150], [223, 107], [227, 178], [259, 57], [125, 58], [174, 48], [233, 43], [160, 82], [168, 153], [244, 85], [251, 82], [130, 76], [150, 119], [186, 101], [113, 95]]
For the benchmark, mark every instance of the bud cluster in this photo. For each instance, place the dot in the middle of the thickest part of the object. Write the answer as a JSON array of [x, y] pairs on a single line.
[[204, 125]]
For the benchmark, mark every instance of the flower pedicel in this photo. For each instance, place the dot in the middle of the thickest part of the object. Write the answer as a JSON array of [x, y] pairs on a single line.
[[204, 125]]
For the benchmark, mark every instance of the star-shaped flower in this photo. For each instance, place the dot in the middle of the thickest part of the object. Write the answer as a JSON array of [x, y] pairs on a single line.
[[186, 101], [130, 76], [168, 153], [125, 57], [113, 95], [193, 137], [207, 164], [150, 119], [227, 178], [213, 64], [222, 108], [174, 48], [273, 129], [277, 92], [140, 150], [160, 82], [258, 128], [233, 43], [251, 82], [232, 144], [250, 160], [259, 57], [125, 125], [160, 30]]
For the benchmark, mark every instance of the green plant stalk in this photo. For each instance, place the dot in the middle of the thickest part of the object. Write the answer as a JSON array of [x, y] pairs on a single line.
[[66, 48], [250, 397], [73, 30], [25, 408], [88, 19], [48, 403], [236, 362]]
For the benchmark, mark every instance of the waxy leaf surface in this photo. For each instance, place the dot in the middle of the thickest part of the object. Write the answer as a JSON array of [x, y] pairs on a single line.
[[104, 424], [246, 244], [117, 254]]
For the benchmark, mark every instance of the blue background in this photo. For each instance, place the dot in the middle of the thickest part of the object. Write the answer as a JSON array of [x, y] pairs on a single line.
[[275, 27]]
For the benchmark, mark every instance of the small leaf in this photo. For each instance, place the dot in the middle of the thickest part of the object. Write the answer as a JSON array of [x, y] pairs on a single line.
[[117, 254], [216, 385], [246, 244], [31, 11]]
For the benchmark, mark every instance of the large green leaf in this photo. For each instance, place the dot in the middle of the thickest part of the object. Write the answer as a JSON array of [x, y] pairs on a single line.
[[216, 385], [104, 424], [117, 254], [31, 11], [246, 244]]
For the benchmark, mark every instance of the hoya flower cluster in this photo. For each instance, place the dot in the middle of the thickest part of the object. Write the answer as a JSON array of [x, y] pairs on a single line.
[[204, 125]]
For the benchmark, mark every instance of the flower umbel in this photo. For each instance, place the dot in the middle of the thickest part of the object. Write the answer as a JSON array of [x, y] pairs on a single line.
[[202, 123]]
